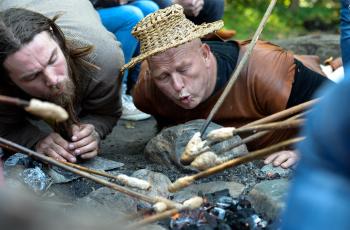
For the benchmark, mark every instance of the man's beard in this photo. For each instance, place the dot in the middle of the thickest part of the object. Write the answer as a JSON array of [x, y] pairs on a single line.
[[67, 97]]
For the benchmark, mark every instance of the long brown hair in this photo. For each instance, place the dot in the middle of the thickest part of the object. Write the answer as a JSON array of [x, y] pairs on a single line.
[[18, 27]]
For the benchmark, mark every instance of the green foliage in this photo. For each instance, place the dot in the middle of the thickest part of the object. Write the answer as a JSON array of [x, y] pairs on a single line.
[[308, 16]]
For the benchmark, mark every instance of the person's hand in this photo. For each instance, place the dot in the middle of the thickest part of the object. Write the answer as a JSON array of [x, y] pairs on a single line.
[[285, 159], [191, 7], [85, 141], [56, 147]]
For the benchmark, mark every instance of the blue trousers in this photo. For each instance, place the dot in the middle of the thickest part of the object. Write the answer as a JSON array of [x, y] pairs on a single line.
[[345, 35], [120, 20], [213, 10]]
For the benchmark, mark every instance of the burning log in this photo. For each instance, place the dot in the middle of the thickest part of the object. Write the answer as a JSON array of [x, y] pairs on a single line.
[[187, 180], [149, 199], [46, 110], [124, 179]]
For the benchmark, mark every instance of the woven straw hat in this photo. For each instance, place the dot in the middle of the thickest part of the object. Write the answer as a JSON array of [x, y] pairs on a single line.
[[165, 29]]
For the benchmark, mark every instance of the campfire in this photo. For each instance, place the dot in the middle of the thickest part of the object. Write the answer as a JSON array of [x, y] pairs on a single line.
[[219, 211]]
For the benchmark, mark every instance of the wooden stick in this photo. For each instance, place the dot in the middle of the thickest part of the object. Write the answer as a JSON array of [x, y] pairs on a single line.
[[15, 147], [100, 173], [92, 171], [13, 101], [185, 181], [193, 203], [226, 133], [154, 218], [284, 113], [287, 124], [243, 141], [43, 109], [240, 66], [253, 136]]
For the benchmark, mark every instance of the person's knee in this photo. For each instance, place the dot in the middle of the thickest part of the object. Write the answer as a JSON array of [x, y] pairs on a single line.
[[212, 10], [132, 14], [146, 6]]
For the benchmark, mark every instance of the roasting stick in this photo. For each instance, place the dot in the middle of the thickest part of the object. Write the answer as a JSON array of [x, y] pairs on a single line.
[[284, 113], [190, 204], [255, 136], [262, 124], [196, 146], [187, 180], [240, 66], [243, 141], [16, 147], [39, 108], [124, 179], [222, 134], [270, 126]]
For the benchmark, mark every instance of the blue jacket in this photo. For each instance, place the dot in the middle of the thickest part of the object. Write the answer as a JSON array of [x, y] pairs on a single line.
[[319, 197]]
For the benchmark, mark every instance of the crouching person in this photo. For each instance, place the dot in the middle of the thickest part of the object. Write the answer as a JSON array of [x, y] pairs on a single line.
[[37, 61], [183, 77]]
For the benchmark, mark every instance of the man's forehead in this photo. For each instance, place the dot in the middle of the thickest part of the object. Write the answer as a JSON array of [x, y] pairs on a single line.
[[167, 53], [171, 53]]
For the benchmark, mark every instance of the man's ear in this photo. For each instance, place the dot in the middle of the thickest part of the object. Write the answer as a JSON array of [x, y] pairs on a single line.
[[205, 52]]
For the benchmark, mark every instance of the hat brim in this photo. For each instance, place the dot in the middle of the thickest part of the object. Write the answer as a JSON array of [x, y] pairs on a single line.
[[198, 32]]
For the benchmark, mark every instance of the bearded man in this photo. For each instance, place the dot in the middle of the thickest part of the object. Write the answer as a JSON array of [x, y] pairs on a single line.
[[37, 61]]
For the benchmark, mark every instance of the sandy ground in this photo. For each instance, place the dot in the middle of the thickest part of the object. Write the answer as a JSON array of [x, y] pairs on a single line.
[[126, 142]]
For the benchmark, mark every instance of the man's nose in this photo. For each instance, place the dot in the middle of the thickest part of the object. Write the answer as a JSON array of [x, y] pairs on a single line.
[[51, 78], [178, 82]]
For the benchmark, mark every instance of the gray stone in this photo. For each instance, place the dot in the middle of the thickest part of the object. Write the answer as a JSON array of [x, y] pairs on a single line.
[[272, 171], [322, 45], [60, 175], [36, 179], [109, 199], [153, 227], [159, 182], [17, 159], [234, 188], [268, 197], [166, 148], [106, 200]]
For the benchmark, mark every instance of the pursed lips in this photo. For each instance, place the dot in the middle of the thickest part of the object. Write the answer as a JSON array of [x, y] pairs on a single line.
[[185, 99]]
